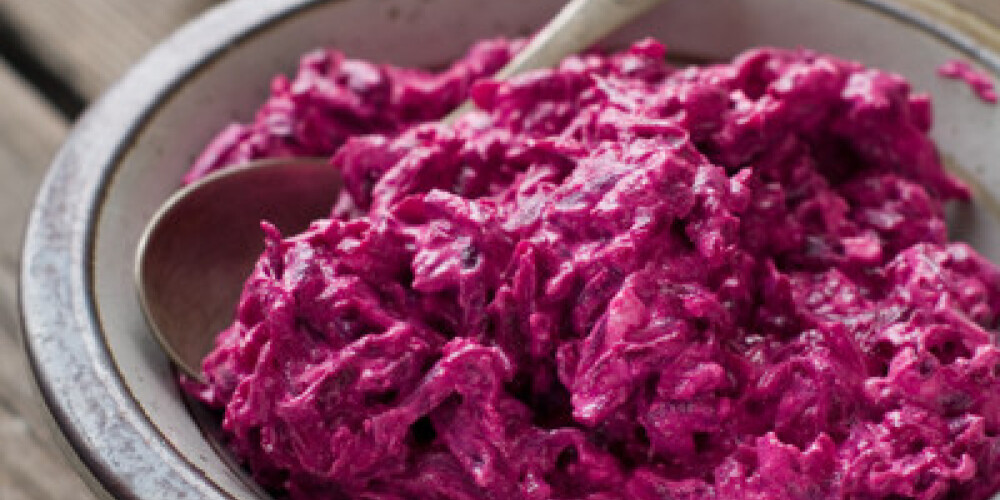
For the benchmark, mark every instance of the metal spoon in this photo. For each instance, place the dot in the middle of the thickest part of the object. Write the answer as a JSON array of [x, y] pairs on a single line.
[[201, 245]]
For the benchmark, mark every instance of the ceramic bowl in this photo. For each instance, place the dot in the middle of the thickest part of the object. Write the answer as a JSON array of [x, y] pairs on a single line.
[[112, 394]]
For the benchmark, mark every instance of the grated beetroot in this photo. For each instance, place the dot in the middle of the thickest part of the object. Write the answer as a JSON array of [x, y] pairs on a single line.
[[978, 81], [619, 280]]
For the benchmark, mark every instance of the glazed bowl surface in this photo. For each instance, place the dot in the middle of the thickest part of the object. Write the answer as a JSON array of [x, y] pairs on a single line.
[[111, 392]]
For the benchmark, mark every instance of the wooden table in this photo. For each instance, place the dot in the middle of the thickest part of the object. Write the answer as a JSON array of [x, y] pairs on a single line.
[[55, 57]]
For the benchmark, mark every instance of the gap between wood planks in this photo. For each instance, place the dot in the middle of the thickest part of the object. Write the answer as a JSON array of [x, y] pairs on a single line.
[[48, 83], [72, 50]]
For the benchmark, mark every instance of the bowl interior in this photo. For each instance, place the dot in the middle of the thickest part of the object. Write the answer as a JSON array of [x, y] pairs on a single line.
[[232, 83]]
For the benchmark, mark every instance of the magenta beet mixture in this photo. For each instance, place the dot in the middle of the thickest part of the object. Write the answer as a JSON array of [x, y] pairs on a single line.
[[978, 81], [618, 280]]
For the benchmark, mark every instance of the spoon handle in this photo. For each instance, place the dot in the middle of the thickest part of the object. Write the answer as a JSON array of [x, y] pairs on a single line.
[[577, 26]]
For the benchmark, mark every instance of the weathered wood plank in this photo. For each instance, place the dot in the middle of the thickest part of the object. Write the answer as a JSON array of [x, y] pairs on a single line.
[[31, 467], [92, 43], [989, 9], [974, 24]]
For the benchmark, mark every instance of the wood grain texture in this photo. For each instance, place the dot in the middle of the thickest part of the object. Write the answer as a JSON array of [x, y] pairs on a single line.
[[971, 23], [989, 9], [91, 43], [31, 467]]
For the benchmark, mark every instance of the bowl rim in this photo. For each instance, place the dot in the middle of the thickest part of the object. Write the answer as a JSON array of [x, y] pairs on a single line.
[[60, 324]]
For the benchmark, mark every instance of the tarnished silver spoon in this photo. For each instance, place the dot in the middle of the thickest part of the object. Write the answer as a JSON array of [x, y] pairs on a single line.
[[201, 245]]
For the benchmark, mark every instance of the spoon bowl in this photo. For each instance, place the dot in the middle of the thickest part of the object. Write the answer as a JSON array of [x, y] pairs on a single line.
[[201, 245]]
